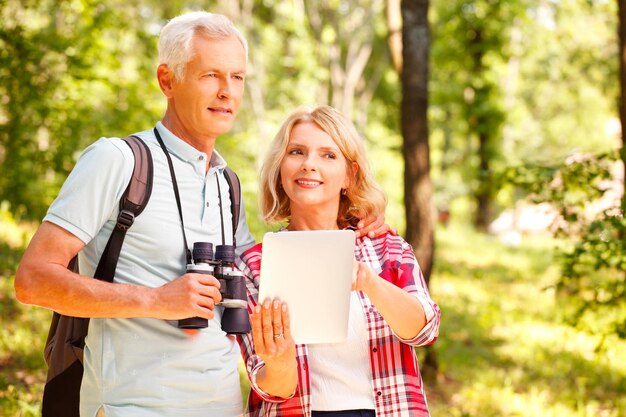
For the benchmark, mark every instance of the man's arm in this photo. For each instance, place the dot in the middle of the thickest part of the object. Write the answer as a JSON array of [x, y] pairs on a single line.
[[42, 279]]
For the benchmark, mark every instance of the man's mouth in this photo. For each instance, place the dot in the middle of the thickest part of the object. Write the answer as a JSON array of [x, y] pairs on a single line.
[[221, 110]]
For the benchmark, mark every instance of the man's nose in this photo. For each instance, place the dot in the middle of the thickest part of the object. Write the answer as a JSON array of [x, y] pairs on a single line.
[[224, 90]]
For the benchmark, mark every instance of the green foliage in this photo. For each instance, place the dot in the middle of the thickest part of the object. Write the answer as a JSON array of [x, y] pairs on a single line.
[[569, 75], [594, 277], [570, 186], [471, 46], [593, 280], [70, 74], [547, 87]]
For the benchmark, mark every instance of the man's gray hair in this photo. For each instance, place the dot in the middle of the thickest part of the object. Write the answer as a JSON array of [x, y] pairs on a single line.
[[175, 39]]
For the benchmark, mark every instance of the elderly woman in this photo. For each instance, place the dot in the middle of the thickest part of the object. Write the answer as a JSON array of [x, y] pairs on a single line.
[[316, 177]]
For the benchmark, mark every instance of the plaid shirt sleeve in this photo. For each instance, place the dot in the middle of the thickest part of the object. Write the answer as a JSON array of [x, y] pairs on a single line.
[[410, 278], [394, 260]]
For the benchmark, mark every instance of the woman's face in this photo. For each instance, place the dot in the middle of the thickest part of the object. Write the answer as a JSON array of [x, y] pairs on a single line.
[[313, 170]]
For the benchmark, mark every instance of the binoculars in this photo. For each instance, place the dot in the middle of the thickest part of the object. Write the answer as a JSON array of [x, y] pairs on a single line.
[[235, 319]]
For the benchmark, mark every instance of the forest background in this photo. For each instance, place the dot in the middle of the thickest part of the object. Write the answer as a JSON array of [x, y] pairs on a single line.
[[524, 167]]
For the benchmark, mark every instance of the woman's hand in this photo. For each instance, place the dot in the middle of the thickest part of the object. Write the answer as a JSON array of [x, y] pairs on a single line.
[[273, 343], [363, 277]]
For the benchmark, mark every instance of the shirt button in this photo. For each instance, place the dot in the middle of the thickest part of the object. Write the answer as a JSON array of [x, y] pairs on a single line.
[[378, 393], [207, 204], [201, 157], [375, 350]]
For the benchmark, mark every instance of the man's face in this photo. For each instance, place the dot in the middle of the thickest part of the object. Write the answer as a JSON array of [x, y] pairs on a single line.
[[207, 99]]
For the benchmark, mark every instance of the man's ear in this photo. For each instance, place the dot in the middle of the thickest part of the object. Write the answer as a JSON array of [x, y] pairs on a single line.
[[165, 76]]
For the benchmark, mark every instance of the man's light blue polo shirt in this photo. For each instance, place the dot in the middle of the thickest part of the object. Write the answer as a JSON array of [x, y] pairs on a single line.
[[147, 367]]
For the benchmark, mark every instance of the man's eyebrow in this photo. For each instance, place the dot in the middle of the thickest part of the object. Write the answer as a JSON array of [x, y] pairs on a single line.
[[222, 71]]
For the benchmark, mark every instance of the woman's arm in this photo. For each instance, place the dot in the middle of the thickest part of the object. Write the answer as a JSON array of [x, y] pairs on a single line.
[[400, 292], [401, 310]]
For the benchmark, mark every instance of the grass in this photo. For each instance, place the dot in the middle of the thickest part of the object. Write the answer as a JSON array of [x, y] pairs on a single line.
[[503, 350]]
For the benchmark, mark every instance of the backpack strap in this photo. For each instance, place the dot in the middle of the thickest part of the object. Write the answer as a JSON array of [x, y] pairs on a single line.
[[132, 203], [234, 191]]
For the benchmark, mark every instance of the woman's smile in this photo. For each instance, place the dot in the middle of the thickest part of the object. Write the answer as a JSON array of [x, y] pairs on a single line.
[[307, 183]]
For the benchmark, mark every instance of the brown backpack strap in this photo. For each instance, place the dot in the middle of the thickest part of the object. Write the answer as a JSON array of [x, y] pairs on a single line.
[[234, 191], [132, 203]]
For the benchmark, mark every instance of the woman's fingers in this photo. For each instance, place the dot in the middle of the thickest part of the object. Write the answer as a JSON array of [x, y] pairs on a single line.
[[284, 313], [268, 327], [271, 331], [277, 320], [257, 329]]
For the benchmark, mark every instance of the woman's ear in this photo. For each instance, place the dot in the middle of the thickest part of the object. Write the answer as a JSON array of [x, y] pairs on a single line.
[[351, 177]]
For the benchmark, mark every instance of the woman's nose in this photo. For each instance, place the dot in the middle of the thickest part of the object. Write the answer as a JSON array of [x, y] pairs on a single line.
[[308, 164]]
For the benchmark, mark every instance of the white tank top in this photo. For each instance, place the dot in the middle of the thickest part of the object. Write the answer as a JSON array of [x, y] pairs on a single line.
[[340, 372]]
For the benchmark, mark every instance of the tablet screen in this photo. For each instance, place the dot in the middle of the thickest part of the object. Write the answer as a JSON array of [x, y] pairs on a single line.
[[312, 272]]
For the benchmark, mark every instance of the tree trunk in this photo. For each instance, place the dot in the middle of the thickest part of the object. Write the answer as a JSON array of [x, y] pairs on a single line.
[[478, 122], [420, 228], [485, 189], [417, 182]]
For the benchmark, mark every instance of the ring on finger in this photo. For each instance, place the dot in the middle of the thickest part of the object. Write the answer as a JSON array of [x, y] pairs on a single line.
[[278, 336]]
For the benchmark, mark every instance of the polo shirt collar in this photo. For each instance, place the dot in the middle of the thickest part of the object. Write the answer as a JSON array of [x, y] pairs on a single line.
[[184, 151]]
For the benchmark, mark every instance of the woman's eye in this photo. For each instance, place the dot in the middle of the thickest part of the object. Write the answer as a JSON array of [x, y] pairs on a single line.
[[330, 155], [295, 152]]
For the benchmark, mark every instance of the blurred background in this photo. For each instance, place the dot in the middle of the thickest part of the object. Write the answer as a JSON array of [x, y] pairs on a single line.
[[493, 126]]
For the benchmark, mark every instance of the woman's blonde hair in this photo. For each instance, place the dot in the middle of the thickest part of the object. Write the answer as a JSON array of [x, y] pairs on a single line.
[[362, 197]]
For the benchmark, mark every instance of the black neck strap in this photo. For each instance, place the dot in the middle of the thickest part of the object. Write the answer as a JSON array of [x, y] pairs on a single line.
[[219, 196], [176, 193]]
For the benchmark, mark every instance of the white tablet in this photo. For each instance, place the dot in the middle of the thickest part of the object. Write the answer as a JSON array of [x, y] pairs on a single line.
[[312, 272]]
